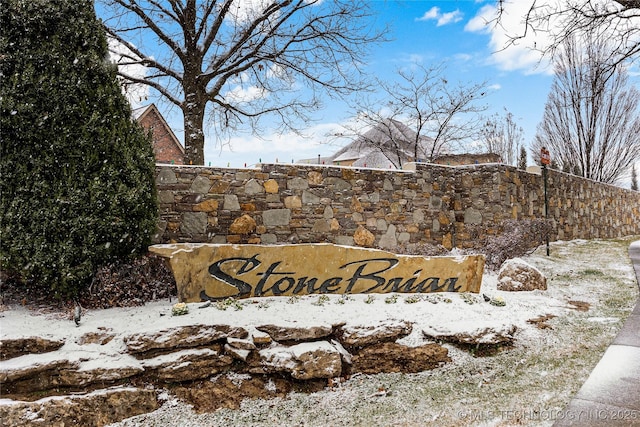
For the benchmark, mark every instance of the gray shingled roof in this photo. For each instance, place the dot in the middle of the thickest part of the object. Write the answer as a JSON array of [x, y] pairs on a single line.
[[377, 145]]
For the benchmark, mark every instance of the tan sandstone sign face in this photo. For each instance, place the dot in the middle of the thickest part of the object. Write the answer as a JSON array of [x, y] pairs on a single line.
[[210, 272]]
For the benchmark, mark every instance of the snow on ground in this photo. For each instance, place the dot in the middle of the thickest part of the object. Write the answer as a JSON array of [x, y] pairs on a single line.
[[529, 383]]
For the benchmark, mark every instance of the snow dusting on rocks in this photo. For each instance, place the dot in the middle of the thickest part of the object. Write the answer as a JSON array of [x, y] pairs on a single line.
[[223, 351]]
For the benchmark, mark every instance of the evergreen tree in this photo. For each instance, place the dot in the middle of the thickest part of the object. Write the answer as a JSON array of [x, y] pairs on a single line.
[[76, 173], [522, 161], [634, 178]]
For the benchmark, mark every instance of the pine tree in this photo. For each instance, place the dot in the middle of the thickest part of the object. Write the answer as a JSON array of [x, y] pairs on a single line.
[[522, 161], [77, 174], [634, 178]]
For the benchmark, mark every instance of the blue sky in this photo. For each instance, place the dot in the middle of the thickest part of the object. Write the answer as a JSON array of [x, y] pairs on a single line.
[[431, 33], [452, 32]]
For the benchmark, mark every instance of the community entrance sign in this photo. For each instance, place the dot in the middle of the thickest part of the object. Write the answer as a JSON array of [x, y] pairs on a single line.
[[210, 272]]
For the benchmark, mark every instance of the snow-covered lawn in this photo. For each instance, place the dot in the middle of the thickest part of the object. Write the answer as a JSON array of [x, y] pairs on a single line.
[[528, 384]]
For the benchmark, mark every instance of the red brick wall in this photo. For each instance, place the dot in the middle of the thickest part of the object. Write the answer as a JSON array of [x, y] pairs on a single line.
[[164, 146]]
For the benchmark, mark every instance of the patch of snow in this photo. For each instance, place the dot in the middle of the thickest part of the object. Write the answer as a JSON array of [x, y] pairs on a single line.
[[311, 347], [449, 312], [270, 386], [237, 378]]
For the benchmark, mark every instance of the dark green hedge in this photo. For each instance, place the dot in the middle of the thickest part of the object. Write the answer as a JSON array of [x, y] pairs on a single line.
[[76, 173]]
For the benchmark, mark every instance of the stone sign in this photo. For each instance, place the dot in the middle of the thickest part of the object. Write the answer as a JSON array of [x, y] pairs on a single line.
[[211, 271]]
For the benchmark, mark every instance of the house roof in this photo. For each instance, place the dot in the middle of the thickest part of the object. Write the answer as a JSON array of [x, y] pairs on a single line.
[[382, 142], [137, 112]]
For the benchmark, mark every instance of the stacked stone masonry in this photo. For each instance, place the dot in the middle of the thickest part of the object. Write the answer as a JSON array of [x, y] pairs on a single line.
[[385, 209]]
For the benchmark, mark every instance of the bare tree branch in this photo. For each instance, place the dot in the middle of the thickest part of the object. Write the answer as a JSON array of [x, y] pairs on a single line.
[[616, 20], [244, 60], [591, 121], [441, 117]]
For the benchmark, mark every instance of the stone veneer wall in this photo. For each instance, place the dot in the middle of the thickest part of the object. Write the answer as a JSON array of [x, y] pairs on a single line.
[[368, 207]]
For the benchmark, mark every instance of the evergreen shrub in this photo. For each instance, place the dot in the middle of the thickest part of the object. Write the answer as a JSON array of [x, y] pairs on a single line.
[[76, 173]]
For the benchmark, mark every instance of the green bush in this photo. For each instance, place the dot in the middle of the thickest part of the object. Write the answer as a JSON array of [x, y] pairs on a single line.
[[76, 173]]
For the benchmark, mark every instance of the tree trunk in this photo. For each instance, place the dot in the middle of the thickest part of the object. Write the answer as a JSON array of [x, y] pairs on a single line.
[[193, 133]]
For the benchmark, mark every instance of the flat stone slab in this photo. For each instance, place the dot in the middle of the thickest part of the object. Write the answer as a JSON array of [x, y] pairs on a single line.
[[294, 333], [181, 337], [394, 357], [361, 335], [466, 332], [211, 271], [15, 347], [187, 365], [303, 361], [98, 408]]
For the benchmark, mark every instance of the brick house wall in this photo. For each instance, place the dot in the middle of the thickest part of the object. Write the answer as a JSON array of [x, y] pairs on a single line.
[[166, 147]]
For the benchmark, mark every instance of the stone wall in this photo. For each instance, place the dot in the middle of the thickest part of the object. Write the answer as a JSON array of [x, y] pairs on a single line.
[[379, 208]]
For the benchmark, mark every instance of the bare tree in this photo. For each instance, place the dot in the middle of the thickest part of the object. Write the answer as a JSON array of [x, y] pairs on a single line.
[[247, 59], [615, 20], [435, 116], [591, 120], [500, 134]]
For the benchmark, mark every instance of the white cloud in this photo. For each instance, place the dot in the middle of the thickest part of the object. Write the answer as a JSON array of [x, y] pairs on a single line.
[[272, 147], [481, 22], [450, 17], [523, 54], [495, 86], [463, 57], [430, 14], [244, 11], [414, 58], [441, 18], [241, 94], [137, 94]]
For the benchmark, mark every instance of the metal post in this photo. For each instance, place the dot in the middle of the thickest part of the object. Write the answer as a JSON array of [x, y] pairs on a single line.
[[545, 160], [546, 201]]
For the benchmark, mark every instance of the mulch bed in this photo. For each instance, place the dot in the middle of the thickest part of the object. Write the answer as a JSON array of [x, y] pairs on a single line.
[[125, 284]]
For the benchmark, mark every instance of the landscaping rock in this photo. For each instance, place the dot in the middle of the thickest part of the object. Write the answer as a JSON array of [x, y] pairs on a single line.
[[470, 332], [97, 375], [237, 353], [303, 361], [187, 365], [15, 347], [102, 337], [96, 409], [259, 337], [517, 275], [181, 337], [359, 336], [346, 356], [294, 333], [242, 344], [33, 373], [394, 357], [230, 389]]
